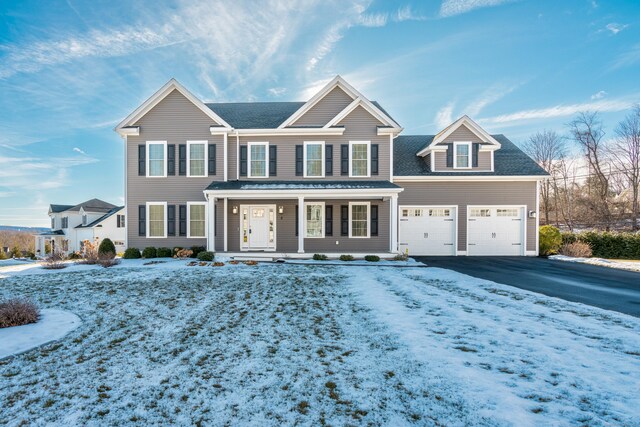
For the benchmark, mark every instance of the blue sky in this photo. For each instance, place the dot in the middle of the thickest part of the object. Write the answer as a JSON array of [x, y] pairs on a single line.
[[70, 70]]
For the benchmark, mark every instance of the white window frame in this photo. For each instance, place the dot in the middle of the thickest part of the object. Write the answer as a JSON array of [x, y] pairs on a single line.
[[266, 158], [368, 205], [164, 143], [322, 155], [206, 162], [206, 225], [322, 221], [456, 144], [164, 236], [351, 144]]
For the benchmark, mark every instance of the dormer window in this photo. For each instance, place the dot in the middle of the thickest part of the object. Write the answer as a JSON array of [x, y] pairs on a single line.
[[462, 155]]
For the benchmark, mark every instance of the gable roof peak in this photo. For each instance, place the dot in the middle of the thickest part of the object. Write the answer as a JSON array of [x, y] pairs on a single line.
[[465, 120]]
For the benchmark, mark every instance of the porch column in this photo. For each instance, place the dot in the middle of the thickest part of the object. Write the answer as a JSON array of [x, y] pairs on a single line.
[[211, 229], [225, 219], [394, 223], [301, 220]]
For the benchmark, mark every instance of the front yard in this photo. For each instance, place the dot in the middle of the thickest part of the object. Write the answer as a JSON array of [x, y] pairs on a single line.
[[286, 344]]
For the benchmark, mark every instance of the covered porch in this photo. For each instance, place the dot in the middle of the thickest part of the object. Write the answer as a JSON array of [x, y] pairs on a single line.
[[297, 219], [49, 242]]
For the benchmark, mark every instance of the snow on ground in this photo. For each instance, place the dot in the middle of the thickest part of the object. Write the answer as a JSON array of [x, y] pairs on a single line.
[[52, 325], [291, 344], [619, 264], [12, 261]]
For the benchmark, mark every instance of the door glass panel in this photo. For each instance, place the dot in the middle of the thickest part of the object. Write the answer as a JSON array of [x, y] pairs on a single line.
[[245, 226], [480, 212], [439, 212], [511, 212]]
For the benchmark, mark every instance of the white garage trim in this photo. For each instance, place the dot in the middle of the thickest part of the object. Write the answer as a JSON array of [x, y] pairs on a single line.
[[455, 216], [523, 223]]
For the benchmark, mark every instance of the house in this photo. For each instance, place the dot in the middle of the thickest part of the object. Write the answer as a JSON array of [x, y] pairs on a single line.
[[330, 175], [92, 220]]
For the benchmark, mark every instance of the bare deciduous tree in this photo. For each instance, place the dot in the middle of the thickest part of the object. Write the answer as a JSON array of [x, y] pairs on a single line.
[[546, 148], [625, 155]]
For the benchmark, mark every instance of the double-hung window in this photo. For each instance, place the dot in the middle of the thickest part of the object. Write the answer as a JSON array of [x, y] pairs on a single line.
[[157, 219], [120, 222], [258, 159], [156, 158], [359, 158], [314, 159], [197, 213], [359, 218], [196, 158], [462, 155], [314, 220]]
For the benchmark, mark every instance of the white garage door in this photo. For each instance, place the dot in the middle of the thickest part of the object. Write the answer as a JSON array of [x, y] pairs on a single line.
[[427, 230], [495, 230]]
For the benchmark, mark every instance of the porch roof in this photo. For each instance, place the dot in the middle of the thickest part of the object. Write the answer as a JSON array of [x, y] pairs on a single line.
[[51, 233], [302, 185]]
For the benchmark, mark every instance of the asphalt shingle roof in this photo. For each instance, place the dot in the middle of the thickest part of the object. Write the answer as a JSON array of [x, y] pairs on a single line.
[[59, 208], [93, 205], [301, 185], [508, 160], [102, 218]]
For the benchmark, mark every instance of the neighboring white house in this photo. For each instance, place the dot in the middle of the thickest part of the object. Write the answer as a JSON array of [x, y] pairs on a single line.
[[92, 220]]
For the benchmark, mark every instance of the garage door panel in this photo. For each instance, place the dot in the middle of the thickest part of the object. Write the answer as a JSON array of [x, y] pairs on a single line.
[[427, 230], [495, 230]]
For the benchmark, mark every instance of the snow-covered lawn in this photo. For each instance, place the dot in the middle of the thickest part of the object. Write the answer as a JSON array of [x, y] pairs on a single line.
[[287, 344], [611, 263]]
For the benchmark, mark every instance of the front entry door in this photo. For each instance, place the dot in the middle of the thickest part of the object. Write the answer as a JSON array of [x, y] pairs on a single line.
[[258, 228]]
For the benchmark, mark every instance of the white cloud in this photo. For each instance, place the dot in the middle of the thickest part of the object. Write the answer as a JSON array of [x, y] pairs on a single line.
[[373, 20], [405, 13], [599, 95], [77, 150], [29, 173], [616, 28], [444, 116], [277, 91], [456, 7], [489, 96], [627, 58], [559, 111]]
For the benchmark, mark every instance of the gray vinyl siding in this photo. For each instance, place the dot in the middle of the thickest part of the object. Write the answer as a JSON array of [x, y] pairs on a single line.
[[463, 194], [484, 162], [463, 133], [287, 241], [175, 120], [325, 109], [359, 126]]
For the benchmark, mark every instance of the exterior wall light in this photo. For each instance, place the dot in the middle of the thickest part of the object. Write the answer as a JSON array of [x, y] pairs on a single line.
[[234, 210], [280, 210]]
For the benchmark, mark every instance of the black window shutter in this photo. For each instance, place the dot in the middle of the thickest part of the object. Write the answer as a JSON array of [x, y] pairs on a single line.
[[297, 213], [374, 220], [215, 215], [328, 160], [374, 159], [212, 159], [273, 160], [299, 160], [344, 159], [449, 155], [171, 220], [344, 220], [243, 160], [142, 220], [328, 220], [171, 159], [142, 164], [182, 159], [476, 150], [182, 214]]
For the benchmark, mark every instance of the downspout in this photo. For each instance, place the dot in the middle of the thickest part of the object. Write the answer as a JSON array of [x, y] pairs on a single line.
[[237, 156]]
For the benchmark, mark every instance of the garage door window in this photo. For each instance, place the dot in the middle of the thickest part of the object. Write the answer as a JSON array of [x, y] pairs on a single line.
[[439, 212], [508, 212], [477, 212]]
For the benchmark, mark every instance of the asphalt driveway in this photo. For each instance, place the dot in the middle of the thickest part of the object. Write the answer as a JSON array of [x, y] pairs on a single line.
[[603, 287]]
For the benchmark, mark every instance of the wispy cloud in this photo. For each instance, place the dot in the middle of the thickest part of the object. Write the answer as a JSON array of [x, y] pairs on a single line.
[[277, 91], [444, 116], [628, 58], [488, 97], [77, 150], [560, 111], [615, 28], [406, 13], [599, 95], [29, 173], [456, 7]]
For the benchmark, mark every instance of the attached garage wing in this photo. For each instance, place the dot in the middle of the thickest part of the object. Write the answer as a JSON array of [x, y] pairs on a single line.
[[495, 230], [428, 230]]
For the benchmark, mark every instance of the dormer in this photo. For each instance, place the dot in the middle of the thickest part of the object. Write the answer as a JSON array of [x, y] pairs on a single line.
[[463, 146]]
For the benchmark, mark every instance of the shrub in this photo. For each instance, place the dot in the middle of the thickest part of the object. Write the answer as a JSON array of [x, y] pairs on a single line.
[[30, 255], [550, 240], [16, 312], [89, 253], [2, 254], [54, 261], [196, 250], [164, 253], [184, 253], [576, 249], [132, 253], [372, 258], [320, 257], [606, 244], [107, 248], [149, 252], [107, 260], [206, 256], [346, 257], [74, 256]]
